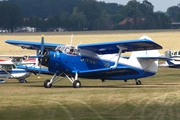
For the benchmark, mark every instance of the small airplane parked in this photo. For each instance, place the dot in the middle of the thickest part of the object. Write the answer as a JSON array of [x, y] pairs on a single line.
[[8, 68], [95, 61], [173, 61]]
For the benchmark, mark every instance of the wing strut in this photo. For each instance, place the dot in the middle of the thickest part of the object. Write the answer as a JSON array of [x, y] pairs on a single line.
[[119, 55], [7, 73]]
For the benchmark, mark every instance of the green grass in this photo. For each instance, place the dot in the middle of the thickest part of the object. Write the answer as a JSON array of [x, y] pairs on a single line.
[[157, 98]]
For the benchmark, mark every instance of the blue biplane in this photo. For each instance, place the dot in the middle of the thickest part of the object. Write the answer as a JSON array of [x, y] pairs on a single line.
[[95, 61]]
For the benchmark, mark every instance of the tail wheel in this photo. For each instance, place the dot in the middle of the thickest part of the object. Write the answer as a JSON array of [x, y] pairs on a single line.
[[76, 84], [138, 82], [46, 84]]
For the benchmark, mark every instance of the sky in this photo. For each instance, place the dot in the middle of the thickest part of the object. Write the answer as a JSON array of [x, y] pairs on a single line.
[[159, 5]]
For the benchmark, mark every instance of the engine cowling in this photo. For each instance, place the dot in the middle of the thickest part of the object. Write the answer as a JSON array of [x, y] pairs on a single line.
[[45, 57]]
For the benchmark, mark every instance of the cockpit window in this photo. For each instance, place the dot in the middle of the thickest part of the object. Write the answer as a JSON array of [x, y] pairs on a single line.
[[60, 48], [68, 50]]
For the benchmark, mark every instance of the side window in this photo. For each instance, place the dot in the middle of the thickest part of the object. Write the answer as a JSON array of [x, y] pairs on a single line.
[[67, 50], [178, 53], [6, 67], [76, 51]]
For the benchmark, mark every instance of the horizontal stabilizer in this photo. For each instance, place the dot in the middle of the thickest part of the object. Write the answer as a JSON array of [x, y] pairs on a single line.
[[155, 58]]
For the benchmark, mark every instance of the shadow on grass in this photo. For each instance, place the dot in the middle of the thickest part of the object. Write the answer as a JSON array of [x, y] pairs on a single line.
[[163, 85]]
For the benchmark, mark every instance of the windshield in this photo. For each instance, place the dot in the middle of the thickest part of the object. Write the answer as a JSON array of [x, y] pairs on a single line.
[[68, 50]]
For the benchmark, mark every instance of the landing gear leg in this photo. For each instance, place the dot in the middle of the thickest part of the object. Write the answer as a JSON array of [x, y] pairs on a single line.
[[76, 83], [48, 83], [74, 80], [103, 80], [138, 82]]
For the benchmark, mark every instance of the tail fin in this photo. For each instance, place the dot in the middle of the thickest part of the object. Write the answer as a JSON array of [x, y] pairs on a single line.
[[168, 53], [146, 53], [146, 60]]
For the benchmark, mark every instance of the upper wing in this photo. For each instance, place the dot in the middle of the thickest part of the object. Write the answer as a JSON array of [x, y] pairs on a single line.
[[32, 45], [99, 48], [112, 47]]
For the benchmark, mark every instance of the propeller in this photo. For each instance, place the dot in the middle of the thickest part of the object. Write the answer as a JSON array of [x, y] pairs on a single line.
[[40, 55]]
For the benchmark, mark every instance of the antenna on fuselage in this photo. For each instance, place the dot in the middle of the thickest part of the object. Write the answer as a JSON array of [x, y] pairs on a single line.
[[71, 39]]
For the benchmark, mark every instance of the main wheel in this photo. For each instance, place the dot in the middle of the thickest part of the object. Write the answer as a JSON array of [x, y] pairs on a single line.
[[46, 84], [22, 80], [76, 84], [138, 82], [25, 81]]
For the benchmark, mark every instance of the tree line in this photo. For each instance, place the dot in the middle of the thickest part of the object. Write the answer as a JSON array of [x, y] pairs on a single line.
[[78, 15]]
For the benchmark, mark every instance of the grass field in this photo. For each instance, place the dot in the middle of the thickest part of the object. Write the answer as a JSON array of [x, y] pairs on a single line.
[[156, 99]]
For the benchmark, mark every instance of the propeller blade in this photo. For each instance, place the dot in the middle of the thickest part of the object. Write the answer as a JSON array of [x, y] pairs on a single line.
[[42, 44], [41, 55]]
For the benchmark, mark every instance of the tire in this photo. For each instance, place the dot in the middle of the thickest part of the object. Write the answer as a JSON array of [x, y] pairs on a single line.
[[76, 84], [22, 80], [46, 85], [138, 82]]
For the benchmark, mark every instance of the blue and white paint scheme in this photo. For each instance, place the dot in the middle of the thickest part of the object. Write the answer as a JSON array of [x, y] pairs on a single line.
[[173, 60], [9, 69], [95, 61]]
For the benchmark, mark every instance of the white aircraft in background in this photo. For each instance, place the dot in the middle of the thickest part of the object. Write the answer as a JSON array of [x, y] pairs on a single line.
[[173, 61], [9, 68]]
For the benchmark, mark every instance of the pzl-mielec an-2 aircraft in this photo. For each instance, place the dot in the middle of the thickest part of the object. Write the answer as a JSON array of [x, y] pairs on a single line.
[[8, 68], [96, 61]]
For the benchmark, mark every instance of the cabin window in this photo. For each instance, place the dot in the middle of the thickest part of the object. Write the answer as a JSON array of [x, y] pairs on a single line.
[[82, 59], [107, 64], [178, 53], [7, 67], [175, 53], [94, 62]]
